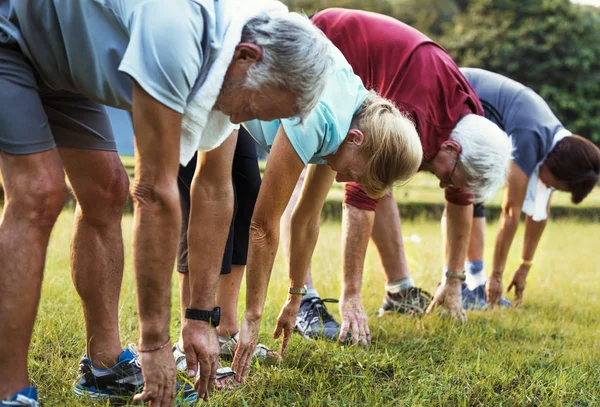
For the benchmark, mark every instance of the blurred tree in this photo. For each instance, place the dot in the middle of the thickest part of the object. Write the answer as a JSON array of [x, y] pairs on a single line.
[[429, 16], [552, 46]]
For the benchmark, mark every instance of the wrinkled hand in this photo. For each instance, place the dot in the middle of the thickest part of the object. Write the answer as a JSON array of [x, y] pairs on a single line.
[[201, 347], [519, 281], [449, 297], [354, 321], [286, 321], [244, 350], [493, 290], [158, 369]]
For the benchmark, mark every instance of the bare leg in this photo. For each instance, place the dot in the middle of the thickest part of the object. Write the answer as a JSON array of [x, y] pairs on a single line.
[[184, 300], [387, 236], [228, 294], [34, 192], [286, 222], [101, 185], [477, 242]]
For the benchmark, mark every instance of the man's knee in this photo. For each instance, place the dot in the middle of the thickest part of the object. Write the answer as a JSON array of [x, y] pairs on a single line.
[[38, 198], [104, 202]]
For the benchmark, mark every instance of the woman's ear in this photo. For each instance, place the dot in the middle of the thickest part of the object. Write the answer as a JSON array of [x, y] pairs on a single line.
[[356, 137]]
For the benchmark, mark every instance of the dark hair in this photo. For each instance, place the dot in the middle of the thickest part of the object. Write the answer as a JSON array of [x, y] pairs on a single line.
[[576, 162]]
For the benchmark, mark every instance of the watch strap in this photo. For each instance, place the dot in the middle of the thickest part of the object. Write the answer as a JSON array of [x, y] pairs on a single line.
[[212, 317], [459, 276], [297, 291]]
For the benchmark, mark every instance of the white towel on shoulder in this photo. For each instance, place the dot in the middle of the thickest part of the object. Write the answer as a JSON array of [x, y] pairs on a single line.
[[538, 194], [204, 129]]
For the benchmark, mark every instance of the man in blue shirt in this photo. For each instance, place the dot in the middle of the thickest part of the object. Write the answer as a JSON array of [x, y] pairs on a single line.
[[180, 66]]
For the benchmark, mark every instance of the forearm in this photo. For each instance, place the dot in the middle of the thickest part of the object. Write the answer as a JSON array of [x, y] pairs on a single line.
[[509, 222], [264, 240], [157, 223], [210, 220], [533, 234], [458, 231], [356, 230]]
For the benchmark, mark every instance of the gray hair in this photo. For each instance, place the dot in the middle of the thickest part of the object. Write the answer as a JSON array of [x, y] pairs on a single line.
[[296, 57], [485, 155]]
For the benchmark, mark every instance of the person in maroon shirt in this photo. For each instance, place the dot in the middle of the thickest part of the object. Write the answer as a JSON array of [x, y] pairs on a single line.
[[466, 152]]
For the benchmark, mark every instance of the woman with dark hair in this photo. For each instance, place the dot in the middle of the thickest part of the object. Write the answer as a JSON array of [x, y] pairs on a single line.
[[547, 157]]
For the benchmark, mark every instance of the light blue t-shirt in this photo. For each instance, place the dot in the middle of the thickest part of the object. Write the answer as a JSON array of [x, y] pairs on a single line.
[[327, 125], [95, 47]]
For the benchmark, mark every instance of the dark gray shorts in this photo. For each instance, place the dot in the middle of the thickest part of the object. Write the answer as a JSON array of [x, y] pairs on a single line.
[[34, 118]]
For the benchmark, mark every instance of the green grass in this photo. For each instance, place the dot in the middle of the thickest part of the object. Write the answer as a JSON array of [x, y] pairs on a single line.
[[544, 354]]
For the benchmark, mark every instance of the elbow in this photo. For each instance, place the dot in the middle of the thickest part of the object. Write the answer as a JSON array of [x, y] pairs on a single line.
[[155, 198], [264, 233]]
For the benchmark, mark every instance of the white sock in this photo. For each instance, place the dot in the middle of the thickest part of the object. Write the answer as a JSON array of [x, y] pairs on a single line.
[[401, 285], [475, 274], [311, 293]]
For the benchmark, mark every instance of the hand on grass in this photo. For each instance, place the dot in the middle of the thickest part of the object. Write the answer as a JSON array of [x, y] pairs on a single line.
[[244, 350], [286, 321], [493, 290], [449, 297], [519, 281], [354, 321], [201, 347], [158, 369]]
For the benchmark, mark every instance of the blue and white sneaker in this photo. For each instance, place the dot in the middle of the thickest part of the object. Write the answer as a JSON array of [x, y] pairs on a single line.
[[314, 320], [476, 300], [120, 382], [26, 397]]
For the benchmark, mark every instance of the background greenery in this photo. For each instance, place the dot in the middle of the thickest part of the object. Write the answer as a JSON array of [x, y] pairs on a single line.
[[543, 354], [552, 46]]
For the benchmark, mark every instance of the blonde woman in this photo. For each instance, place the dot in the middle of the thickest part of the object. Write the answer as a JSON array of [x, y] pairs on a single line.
[[352, 135]]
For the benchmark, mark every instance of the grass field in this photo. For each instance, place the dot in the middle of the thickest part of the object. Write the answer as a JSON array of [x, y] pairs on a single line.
[[545, 354]]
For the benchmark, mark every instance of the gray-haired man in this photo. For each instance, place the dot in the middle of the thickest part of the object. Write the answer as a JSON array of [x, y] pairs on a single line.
[[195, 62]]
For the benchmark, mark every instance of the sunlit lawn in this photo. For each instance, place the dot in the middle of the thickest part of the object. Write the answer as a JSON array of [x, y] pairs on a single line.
[[546, 353]]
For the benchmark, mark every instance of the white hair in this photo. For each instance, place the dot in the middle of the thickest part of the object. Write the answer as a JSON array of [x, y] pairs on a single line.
[[485, 155], [296, 57]]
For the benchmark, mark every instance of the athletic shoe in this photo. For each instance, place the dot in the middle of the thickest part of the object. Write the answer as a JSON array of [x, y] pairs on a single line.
[[314, 321], [181, 363], [262, 353], [120, 382], [26, 397], [476, 300], [412, 301]]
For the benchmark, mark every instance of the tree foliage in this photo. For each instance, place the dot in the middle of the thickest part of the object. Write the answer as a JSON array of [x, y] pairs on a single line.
[[429, 16], [552, 46]]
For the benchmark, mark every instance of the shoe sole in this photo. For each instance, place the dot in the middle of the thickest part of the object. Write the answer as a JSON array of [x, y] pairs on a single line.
[[97, 396]]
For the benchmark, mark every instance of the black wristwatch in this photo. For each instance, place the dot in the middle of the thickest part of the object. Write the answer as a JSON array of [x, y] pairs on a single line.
[[212, 317]]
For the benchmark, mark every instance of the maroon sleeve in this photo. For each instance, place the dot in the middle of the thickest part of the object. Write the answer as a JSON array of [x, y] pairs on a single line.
[[355, 196], [458, 197]]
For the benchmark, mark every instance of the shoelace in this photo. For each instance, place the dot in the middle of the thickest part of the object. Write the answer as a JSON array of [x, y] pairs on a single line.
[[136, 356], [423, 293], [317, 305]]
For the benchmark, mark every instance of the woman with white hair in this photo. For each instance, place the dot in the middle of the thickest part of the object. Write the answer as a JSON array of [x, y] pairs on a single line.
[[352, 135]]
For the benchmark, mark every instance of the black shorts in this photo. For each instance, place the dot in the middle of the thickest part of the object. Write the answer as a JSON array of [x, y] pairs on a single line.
[[246, 183], [479, 210]]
